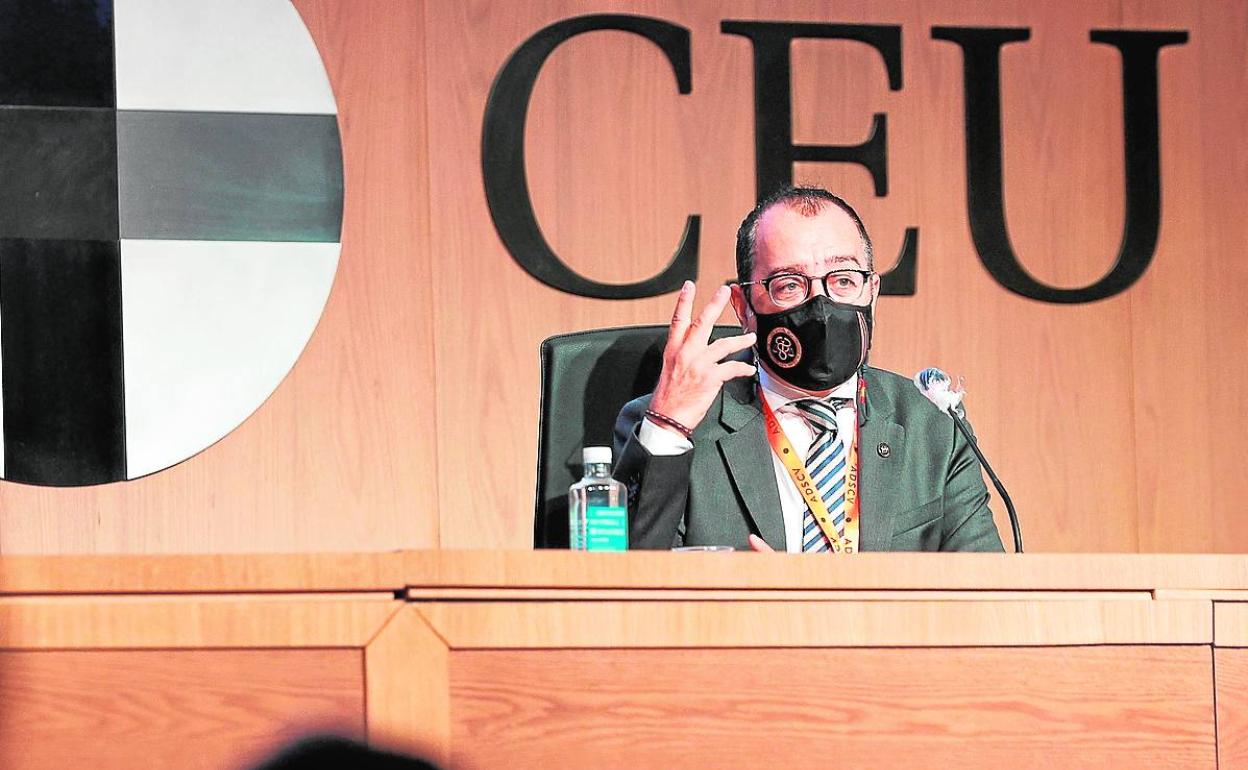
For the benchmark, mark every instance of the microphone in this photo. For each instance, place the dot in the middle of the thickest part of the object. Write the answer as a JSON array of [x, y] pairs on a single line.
[[937, 387]]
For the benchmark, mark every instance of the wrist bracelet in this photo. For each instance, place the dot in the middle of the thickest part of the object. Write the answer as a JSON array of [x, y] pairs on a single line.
[[668, 421]]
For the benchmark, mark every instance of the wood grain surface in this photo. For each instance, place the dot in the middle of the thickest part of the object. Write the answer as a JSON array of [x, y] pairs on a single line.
[[1231, 668], [208, 709], [775, 672], [201, 573], [410, 420], [342, 456], [749, 595], [1216, 595], [1173, 576], [1079, 707], [1188, 396], [1230, 624], [818, 624], [762, 571], [409, 697], [165, 622], [1069, 401]]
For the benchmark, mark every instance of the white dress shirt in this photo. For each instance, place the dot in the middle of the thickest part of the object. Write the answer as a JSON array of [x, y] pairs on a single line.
[[662, 441]]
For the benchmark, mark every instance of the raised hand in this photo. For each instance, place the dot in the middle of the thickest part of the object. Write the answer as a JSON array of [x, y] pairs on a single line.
[[693, 366]]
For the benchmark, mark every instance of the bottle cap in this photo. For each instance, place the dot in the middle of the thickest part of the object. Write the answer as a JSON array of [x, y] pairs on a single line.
[[596, 455]]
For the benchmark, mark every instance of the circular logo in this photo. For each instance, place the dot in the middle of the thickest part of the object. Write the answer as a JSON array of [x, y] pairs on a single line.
[[171, 228], [783, 347]]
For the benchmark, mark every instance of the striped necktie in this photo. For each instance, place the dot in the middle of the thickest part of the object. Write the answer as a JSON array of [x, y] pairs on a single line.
[[826, 462]]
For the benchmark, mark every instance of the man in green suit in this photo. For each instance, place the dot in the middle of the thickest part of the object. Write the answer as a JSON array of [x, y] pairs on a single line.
[[812, 450]]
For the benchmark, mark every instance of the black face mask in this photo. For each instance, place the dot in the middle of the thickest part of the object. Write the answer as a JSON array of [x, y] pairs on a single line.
[[817, 345]]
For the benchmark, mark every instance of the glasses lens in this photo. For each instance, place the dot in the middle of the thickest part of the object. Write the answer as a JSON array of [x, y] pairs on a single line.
[[788, 290], [845, 284]]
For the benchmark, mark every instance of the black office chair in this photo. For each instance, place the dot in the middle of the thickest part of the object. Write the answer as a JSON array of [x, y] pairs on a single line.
[[587, 377]]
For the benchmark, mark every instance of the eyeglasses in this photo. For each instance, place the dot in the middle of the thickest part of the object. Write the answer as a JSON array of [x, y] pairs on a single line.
[[791, 289]]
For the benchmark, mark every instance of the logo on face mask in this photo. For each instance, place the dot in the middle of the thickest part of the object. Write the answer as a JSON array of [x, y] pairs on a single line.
[[784, 347], [817, 344]]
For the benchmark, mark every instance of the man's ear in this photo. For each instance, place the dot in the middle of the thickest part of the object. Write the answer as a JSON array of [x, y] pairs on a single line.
[[875, 290], [742, 308]]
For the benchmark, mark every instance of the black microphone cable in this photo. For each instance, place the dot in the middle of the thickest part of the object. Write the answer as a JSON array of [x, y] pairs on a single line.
[[932, 383]]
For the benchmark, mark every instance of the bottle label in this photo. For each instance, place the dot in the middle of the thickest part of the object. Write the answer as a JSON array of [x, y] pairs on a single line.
[[606, 528]]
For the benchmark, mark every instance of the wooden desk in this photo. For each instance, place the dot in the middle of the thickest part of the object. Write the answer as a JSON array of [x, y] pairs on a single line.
[[556, 659]]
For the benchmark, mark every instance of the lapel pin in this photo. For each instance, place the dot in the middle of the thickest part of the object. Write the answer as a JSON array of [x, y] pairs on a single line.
[[884, 450]]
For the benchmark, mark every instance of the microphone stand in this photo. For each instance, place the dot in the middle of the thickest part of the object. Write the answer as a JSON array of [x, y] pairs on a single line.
[[996, 482]]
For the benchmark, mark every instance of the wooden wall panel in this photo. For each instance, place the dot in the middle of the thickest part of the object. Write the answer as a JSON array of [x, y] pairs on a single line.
[[870, 707], [1032, 368], [341, 456], [1189, 315], [206, 709], [1116, 424], [616, 165], [617, 159]]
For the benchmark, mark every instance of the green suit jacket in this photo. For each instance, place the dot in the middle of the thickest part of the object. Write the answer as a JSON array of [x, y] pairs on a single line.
[[922, 489]]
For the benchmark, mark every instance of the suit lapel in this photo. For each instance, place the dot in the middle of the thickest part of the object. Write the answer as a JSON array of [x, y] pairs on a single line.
[[880, 453], [748, 457]]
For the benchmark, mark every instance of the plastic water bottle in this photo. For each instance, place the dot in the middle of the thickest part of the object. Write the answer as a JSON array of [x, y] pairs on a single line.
[[598, 506]]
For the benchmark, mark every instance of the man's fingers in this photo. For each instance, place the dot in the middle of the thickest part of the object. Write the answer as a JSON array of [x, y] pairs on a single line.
[[730, 370], [682, 313], [726, 346], [759, 544], [701, 326]]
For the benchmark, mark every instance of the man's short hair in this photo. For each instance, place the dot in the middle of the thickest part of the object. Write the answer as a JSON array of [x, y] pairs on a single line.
[[807, 201]]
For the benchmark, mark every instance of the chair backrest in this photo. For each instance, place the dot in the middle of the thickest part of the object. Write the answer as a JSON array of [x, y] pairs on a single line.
[[586, 378]]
